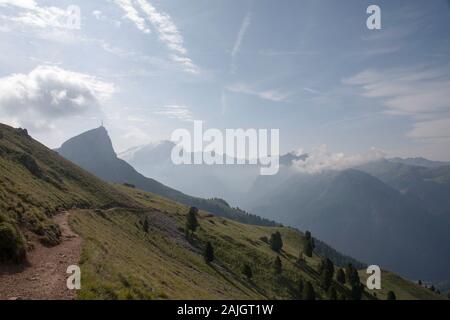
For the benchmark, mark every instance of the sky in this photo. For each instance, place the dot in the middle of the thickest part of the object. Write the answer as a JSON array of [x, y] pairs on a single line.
[[310, 68]]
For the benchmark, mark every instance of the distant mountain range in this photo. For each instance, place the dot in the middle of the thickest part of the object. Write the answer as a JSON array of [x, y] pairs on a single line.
[[363, 217]]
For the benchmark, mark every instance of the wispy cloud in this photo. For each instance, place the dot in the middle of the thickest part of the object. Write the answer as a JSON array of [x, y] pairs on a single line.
[[271, 95], [273, 53], [240, 37], [413, 92], [165, 27], [420, 93], [178, 112], [132, 14], [431, 130]]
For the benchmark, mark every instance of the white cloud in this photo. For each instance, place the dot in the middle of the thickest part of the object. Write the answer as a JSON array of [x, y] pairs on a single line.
[[320, 159], [240, 37], [167, 30], [181, 113], [433, 130], [271, 95], [31, 15], [133, 15], [422, 94], [35, 100], [406, 91]]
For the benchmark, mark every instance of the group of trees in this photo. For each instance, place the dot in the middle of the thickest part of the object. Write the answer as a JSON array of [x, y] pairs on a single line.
[[305, 288]]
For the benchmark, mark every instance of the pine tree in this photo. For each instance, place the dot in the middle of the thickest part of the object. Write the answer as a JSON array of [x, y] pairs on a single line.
[[277, 266], [308, 248], [209, 253], [332, 294], [276, 243], [145, 225], [308, 292], [307, 235], [191, 220], [301, 288], [326, 273], [391, 295], [351, 275], [247, 271], [340, 276], [357, 291]]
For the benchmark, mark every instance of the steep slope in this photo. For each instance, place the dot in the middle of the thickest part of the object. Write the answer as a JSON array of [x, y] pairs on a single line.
[[93, 151], [35, 183], [164, 265], [365, 218]]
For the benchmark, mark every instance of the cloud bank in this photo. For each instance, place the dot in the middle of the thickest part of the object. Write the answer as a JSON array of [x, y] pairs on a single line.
[[320, 159]]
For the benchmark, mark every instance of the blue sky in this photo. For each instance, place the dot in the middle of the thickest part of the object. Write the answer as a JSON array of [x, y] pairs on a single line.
[[309, 68]]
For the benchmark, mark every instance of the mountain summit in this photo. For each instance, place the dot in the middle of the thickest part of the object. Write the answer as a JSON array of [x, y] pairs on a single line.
[[89, 146]]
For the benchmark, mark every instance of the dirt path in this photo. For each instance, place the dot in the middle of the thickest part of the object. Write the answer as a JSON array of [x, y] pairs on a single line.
[[45, 277]]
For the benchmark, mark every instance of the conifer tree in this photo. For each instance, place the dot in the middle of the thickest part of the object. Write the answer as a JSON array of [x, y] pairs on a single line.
[[308, 248], [191, 220], [276, 243], [326, 273], [247, 271], [332, 294], [391, 295], [209, 253], [308, 292], [340, 276], [277, 266]]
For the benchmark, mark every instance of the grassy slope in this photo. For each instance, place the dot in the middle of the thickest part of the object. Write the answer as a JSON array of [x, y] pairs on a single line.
[[121, 261], [35, 182], [162, 264], [404, 290]]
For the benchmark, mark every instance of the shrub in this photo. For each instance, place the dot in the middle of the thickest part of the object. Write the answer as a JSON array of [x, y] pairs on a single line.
[[12, 243]]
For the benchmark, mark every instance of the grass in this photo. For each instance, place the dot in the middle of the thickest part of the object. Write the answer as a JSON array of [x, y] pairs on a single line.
[[164, 264], [134, 242], [120, 260], [404, 290], [35, 182]]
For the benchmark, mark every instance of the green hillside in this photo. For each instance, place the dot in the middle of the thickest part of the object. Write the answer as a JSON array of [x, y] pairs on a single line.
[[134, 243], [35, 183]]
